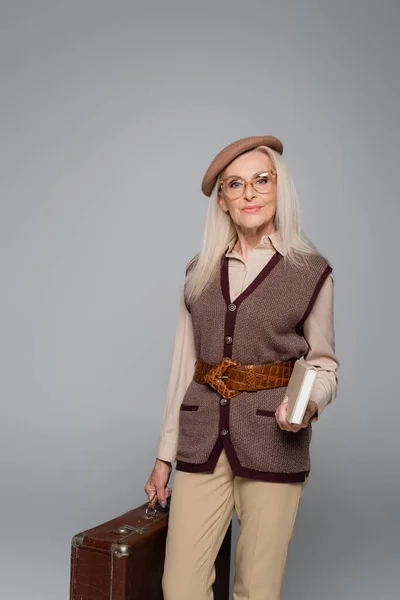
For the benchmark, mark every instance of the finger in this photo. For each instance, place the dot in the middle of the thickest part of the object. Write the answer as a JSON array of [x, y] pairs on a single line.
[[149, 490], [306, 420], [280, 413], [288, 425], [161, 493], [284, 425], [292, 426], [282, 420]]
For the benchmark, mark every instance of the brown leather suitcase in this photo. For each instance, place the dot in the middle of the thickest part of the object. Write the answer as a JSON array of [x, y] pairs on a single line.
[[123, 559]]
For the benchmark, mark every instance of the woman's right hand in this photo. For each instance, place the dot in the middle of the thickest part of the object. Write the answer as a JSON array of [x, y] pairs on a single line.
[[158, 480]]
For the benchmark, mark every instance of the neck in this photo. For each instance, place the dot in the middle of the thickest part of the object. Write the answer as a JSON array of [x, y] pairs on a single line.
[[247, 240]]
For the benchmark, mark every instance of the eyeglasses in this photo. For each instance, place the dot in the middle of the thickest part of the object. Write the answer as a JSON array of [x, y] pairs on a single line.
[[261, 182]]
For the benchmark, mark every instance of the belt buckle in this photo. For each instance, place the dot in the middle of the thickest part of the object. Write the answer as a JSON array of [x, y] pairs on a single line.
[[216, 375]]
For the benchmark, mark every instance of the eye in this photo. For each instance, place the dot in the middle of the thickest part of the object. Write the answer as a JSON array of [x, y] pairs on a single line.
[[234, 183], [262, 180]]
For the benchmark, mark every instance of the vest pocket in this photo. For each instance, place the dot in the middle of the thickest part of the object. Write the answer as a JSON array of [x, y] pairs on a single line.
[[190, 433], [265, 413], [262, 445]]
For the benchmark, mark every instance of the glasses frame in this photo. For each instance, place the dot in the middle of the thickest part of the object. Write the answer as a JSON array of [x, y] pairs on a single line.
[[272, 173]]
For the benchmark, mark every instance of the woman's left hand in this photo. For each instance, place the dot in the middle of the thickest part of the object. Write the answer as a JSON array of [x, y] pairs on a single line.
[[281, 415]]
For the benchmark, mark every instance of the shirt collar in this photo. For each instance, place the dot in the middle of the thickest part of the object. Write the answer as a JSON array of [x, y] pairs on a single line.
[[266, 241]]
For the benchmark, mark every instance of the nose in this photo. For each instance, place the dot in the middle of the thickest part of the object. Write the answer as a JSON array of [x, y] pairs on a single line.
[[249, 192]]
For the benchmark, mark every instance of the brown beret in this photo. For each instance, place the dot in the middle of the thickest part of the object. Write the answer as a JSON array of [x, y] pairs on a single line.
[[232, 151]]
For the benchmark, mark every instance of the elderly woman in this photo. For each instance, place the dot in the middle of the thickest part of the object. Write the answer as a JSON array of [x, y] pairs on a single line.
[[257, 297]]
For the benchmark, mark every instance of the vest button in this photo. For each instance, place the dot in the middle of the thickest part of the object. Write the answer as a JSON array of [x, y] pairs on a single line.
[[224, 431], [232, 307], [223, 402], [228, 339]]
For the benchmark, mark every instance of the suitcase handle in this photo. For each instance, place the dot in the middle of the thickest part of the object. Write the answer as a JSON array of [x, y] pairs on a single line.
[[151, 510]]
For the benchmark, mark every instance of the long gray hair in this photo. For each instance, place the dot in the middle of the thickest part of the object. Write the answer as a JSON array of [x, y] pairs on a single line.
[[220, 230]]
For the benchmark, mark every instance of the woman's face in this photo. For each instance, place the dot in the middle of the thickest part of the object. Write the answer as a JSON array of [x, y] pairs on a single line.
[[252, 209]]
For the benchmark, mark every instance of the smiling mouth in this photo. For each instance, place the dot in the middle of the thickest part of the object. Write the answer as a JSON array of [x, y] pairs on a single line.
[[251, 208]]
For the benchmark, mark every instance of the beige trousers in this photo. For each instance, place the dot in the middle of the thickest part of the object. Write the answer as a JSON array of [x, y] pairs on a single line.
[[201, 509]]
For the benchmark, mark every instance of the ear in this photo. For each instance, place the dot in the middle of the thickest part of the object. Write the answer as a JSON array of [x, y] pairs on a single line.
[[221, 202]]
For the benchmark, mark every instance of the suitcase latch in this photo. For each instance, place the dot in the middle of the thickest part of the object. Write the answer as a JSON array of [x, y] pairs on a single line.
[[129, 529]]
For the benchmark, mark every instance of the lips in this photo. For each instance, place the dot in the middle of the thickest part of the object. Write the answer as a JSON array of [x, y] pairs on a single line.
[[251, 209]]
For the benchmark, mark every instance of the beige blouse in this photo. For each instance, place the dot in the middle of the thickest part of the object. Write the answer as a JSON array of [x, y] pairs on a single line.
[[318, 331]]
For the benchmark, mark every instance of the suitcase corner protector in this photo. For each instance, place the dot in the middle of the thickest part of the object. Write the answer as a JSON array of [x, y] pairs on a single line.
[[120, 549], [77, 540]]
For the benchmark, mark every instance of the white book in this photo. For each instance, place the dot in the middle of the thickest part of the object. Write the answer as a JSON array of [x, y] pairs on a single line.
[[299, 390]]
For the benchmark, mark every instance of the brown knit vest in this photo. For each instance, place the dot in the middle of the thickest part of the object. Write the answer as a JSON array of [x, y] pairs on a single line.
[[262, 325]]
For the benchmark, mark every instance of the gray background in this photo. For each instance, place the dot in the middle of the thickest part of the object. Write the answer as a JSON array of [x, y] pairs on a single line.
[[110, 114]]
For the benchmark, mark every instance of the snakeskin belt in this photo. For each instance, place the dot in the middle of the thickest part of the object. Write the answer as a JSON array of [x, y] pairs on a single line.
[[230, 377]]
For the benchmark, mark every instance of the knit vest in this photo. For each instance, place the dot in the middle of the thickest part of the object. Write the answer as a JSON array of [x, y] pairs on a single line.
[[262, 325]]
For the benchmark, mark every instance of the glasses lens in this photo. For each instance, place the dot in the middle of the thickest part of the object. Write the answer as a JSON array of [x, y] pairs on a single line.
[[233, 187], [262, 183]]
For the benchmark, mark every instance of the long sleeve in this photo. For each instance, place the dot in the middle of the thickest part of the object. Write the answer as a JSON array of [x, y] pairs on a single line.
[[182, 371], [318, 330]]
